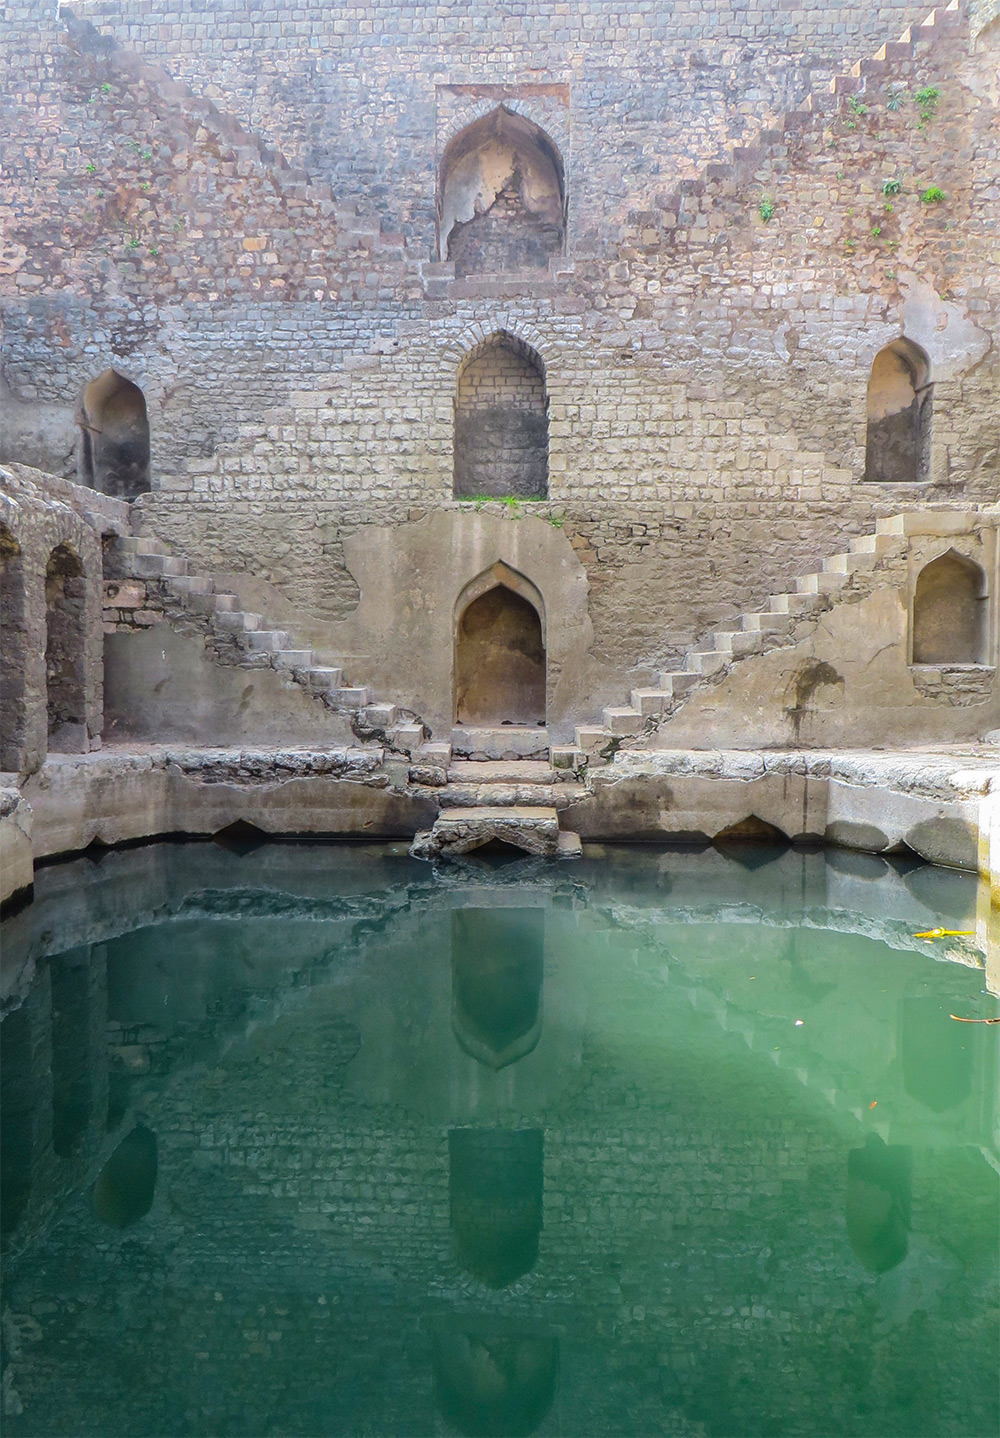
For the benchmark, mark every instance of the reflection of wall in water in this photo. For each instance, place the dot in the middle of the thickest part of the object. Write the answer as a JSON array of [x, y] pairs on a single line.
[[494, 1380], [495, 1183], [497, 968], [879, 1183]]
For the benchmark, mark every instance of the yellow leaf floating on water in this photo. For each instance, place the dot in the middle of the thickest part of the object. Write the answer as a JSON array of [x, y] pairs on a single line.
[[946, 933]]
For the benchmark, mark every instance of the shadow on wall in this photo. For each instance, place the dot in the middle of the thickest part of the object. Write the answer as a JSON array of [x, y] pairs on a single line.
[[899, 415], [65, 590], [501, 200], [114, 437], [950, 612]]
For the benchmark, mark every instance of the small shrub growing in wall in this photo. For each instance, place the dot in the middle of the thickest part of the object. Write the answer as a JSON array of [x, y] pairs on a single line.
[[927, 100], [891, 188], [766, 208], [933, 195]]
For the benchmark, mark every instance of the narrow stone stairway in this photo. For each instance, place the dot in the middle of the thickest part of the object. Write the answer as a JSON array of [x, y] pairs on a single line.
[[514, 802], [244, 638], [788, 618]]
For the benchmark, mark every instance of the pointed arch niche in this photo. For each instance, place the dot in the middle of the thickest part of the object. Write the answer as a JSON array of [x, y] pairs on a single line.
[[65, 635], [500, 650], [114, 437], [950, 618], [897, 448], [501, 421], [501, 196]]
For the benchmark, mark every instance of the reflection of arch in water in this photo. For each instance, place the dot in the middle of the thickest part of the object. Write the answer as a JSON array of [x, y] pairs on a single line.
[[878, 1203], [495, 1181], [936, 1052], [497, 970], [125, 1185], [72, 1059], [493, 1384]]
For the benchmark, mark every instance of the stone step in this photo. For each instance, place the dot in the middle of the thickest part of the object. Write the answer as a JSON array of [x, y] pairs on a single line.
[[355, 697], [677, 682], [873, 543], [797, 603], [704, 661], [506, 771], [533, 828], [157, 566], [622, 721], [648, 702], [294, 659], [567, 757], [825, 582], [501, 741], [848, 563], [237, 621], [736, 644], [378, 716], [226, 602], [590, 736], [320, 679], [570, 845], [767, 623], [941, 522], [556, 795], [406, 738], [191, 584], [269, 640]]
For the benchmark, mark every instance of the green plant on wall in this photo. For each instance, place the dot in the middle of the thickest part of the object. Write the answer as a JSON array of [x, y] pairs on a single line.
[[765, 208], [933, 195], [891, 188], [927, 101], [895, 100]]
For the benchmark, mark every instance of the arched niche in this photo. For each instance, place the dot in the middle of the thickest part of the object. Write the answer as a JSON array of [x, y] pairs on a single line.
[[897, 449], [501, 196], [878, 1203], [950, 612], [501, 422], [114, 437], [14, 651], [65, 591], [126, 1184], [500, 651], [493, 1383], [497, 970], [495, 1184]]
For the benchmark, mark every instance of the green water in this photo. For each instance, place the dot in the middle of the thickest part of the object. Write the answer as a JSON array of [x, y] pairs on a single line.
[[320, 1140]]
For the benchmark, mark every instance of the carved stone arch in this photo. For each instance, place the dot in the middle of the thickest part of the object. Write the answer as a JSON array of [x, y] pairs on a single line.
[[499, 645], [899, 408], [501, 198], [113, 453], [950, 612]]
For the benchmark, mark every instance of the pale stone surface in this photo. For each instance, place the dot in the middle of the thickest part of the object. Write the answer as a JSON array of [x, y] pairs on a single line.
[[534, 828], [16, 851]]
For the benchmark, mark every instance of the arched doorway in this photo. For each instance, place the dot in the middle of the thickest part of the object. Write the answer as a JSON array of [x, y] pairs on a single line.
[[499, 660], [501, 199], [65, 590], [899, 415], [114, 437], [949, 612]]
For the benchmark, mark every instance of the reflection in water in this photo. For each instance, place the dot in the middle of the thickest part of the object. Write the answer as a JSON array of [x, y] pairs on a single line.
[[72, 1062], [497, 967], [125, 1185], [494, 1384], [936, 1053], [878, 1203], [495, 1188], [18, 1111]]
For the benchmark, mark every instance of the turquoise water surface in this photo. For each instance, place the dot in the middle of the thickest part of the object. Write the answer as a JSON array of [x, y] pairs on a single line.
[[317, 1139]]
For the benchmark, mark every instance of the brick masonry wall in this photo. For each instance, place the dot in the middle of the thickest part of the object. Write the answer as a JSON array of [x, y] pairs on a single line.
[[298, 343]]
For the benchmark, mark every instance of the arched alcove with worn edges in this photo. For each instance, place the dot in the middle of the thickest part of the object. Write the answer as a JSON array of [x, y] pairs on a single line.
[[897, 449], [950, 618], [501, 196], [113, 452], [13, 652], [490, 1382], [65, 592], [501, 422], [500, 651]]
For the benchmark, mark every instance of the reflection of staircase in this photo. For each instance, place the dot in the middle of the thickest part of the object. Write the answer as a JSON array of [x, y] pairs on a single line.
[[242, 638], [787, 619]]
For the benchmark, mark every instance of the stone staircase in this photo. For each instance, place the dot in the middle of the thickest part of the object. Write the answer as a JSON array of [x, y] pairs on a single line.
[[243, 638], [517, 803], [787, 619]]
